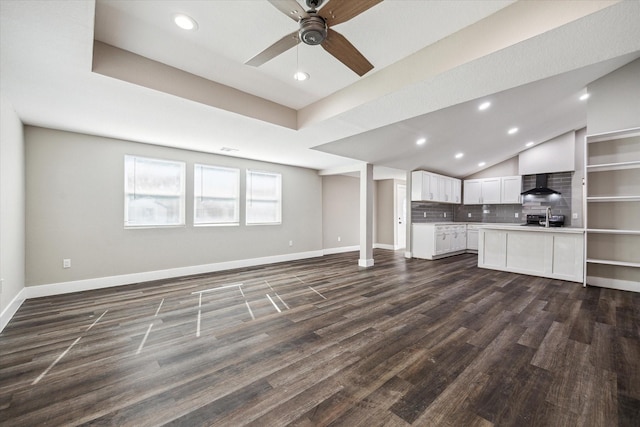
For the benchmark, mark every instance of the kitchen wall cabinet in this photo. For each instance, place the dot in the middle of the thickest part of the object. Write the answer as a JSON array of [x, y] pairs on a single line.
[[431, 187], [511, 187], [433, 241], [612, 210], [493, 191], [482, 191]]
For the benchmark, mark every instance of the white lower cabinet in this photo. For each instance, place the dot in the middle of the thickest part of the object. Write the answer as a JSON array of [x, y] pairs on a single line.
[[537, 252], [432, 240]]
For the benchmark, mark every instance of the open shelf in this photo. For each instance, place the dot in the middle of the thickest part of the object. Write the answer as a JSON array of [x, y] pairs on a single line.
[[613, 199], [613, 166], [611, 262], [612, 210], [613, 231]]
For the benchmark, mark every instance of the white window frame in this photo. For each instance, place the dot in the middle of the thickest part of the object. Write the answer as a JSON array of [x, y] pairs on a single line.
[[198, 185], [251, 198], [128, 191]]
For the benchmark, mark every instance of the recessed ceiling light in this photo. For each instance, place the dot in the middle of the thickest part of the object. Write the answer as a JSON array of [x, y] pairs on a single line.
[[481, 164], [529, 144], [421, 141], [459, 155], [185, 22], [484, 106], [301, 76], [584, 97], [512, 131]]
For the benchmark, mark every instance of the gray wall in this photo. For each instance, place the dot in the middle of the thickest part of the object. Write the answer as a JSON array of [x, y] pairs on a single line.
[[340, 211], [75, 205], [614, 103], [12, 205], [385, 212]]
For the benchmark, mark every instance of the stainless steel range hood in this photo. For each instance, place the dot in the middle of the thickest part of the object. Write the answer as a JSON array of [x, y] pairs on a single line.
[[541, 188]]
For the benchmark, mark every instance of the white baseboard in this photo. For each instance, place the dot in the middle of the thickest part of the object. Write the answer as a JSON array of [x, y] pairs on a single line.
[[12, 308], [621, 285], [127, 279], [385, 246], [340, 250]]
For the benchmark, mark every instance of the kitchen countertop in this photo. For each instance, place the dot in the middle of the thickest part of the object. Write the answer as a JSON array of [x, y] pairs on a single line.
[[518, 227], [509, 226]]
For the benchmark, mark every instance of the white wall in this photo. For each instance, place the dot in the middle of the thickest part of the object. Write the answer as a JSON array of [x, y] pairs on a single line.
[[507, 168], [614, 103], [340, 212], [12, 212], [75, 206]]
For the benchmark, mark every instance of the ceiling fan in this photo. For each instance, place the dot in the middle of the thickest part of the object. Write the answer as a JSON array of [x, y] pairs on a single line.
[[315, 28]]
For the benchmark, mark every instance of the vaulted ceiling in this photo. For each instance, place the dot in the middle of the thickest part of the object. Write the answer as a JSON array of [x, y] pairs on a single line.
[[123, 69]]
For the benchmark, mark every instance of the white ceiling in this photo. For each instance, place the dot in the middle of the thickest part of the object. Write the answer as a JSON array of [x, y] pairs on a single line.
[[434, 62]]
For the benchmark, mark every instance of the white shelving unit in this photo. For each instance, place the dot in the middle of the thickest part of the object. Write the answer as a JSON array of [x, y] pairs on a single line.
[[612, 210]]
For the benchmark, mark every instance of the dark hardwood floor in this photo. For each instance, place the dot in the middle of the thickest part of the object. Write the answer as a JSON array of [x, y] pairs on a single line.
[[322, 342]]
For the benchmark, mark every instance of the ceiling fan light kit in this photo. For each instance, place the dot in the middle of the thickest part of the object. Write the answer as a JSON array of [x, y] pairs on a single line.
[[315, 29]]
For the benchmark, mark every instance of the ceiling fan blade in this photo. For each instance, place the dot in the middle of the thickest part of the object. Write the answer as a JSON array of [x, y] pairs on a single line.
[[338, 11], [337, 45], [291, 8], [281, 46]]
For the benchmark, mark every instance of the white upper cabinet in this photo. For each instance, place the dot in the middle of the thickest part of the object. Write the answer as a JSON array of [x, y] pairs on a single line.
[[511, 189], [431, 187], [492, 191]]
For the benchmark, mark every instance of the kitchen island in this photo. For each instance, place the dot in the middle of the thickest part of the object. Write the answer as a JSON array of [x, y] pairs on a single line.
[[555, 252]]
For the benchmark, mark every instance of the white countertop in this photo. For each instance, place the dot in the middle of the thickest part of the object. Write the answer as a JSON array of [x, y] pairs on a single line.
[[533, 229], [507, 226]]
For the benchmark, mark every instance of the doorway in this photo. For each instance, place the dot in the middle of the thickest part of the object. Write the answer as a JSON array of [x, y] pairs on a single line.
[[401, 217]]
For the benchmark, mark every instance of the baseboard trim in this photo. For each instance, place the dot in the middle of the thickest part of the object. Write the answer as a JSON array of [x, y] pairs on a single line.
[[340, 250], [38, 291], [385, 246], [618, 284], [11, 309]]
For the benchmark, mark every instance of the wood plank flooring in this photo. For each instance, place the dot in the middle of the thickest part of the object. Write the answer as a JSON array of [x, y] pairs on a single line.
[[321, 342]]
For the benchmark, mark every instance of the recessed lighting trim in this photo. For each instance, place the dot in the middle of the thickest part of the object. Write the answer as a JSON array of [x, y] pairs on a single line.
[[484, 106], [185, 22], [421, 141], [512, 130], [301, 76], [529, 144], [481, 164], [459, 155], [584, 96]]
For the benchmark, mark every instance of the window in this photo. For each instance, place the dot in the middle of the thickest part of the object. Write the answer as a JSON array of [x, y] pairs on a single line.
[[153, 192], [264, 197], [216, 195]]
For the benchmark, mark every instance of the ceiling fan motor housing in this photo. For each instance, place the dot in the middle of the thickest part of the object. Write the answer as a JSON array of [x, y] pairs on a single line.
[[313, 30]]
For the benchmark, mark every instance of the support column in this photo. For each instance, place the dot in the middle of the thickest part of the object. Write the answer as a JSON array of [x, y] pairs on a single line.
[[408, 222], [366, 216]]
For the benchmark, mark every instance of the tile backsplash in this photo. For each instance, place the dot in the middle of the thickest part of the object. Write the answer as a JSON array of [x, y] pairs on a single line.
[[560, 205]]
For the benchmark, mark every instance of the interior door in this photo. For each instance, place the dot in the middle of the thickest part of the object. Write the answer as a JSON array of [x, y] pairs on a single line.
[[401, 216]]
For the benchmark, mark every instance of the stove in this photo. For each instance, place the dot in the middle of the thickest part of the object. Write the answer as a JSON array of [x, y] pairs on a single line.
[[539, 220]]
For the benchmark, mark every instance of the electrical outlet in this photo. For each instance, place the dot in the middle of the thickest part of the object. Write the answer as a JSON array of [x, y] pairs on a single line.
[[339, 239], [66, 263], [486, 211], [424, 214], [469, 215], [445, 214], [574, 216], [517, 214], [290, 242]]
